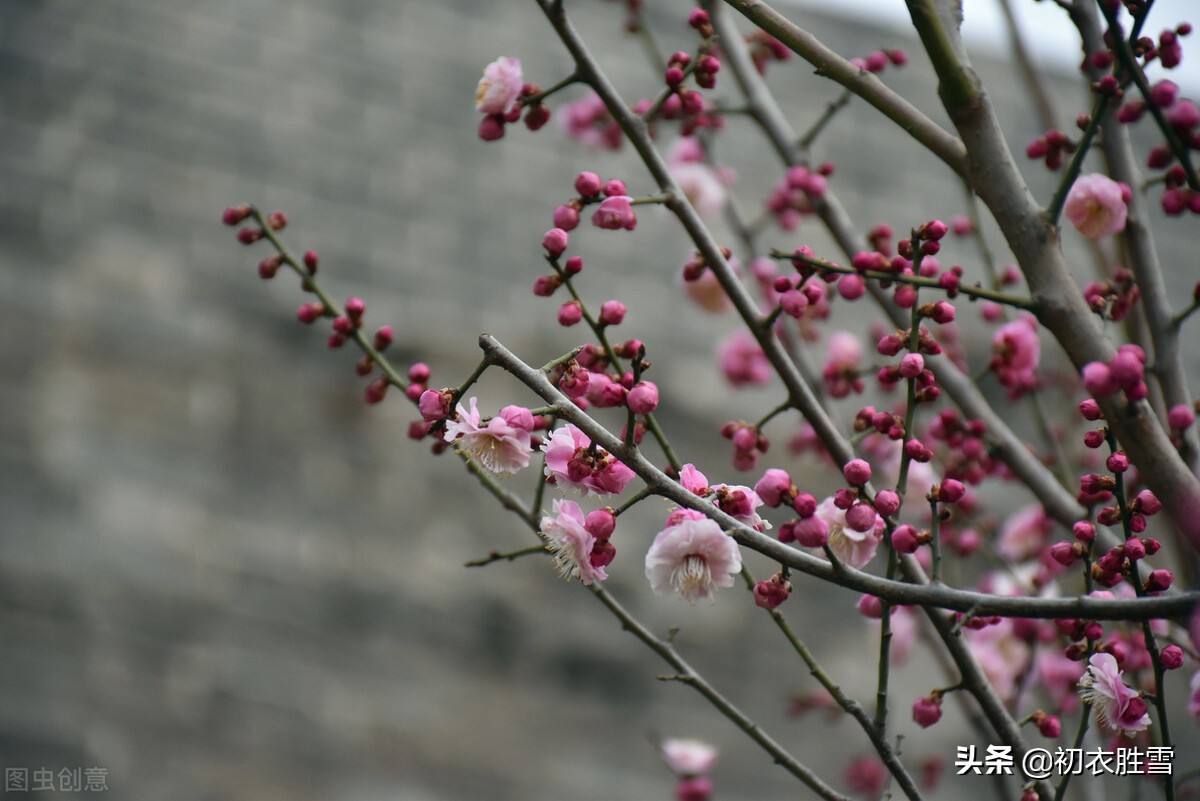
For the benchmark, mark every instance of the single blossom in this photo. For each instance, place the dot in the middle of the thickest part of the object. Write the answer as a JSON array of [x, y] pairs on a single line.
[[614, 213], [740, 502], [501, 446], [1024, 533], [500, 86], [1096, 206], [689, 757], [701, 186], [692, 557], [743, 361], [1016, 354], [1118, 706], [693, 480], [576, 466], [854, 548], [587, 120], [571, 543], [842, 363]]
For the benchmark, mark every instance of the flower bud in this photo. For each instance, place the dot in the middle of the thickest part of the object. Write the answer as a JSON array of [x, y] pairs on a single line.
[[857, 472]]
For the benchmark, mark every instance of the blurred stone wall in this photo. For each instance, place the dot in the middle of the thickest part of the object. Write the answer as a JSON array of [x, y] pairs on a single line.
[[222, 576]]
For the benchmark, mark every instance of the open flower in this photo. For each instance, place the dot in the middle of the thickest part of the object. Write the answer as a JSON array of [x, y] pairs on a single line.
[[500, 86], [1017, 353], [500, 446], [571, 543], [692, 557], [855, 548], [1118, 706], [743, 360], [688, 757], [1096, 206], [575, 465]]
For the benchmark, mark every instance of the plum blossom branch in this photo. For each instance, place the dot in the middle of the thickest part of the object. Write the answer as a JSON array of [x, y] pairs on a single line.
[[978, 292], [1076, 164], [828, 63], [959, 386], [897, 592], [889, 756], [496, 556], [1036, 245], [685, 674]]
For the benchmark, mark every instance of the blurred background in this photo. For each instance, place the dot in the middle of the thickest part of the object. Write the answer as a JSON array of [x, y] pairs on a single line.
[[224, 577]]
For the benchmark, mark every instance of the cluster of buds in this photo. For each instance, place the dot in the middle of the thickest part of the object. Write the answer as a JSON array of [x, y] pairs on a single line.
[[796, 193], [765, 48], [770, 593], [748, 443], [502, 96], [1126, 371], [1052, 147], [878, 60], [1112, 299]]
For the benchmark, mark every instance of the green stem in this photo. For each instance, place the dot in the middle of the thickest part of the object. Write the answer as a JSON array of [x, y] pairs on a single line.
[[1076, 164]]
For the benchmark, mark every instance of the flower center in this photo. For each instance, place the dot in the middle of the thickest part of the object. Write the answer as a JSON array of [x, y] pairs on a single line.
[[692, 578]]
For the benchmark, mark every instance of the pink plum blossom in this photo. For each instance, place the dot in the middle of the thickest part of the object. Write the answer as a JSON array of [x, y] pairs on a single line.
[[1096, 206], [615, 213], [693, 558], [701, 186], [574, 466], [501, 446], [1024, 533], [1003, 656], [854, 548], [500, 86], [689, 757], [740, 502], [743, 360], [842, 362], [1119, 707], [1017, 352], [588, 121], [571, 543], [693, 480]]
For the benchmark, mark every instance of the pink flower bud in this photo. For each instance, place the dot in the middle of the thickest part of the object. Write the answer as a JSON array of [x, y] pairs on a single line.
[[375, 391], [612, 312], [1094, 438], [355, 307], [566, 218], [234, 215], [588, 184], [887, 502], [555, 241], [1117, 462], [1180, 417], [1147, 503], [546, 285], [310, 261], [774, 484], [952, 491], [698, 18], [643, 398], [309, 313], [943, 312], [491, 128], [383, 337], [804, 504], [851, 286], [769, 594], [249, 235], [615, 188], [1171, 657], [419, 373], [574, 266], [811, 532], [911, 365], [926, 712], [277, 220], [870, 606], [857, 472], [1064, 553], [1084, 531], [1159, 580], [1050, 726], [600, 523], [1090, 409], [1098, 380], [693, 788], [570, 313], [934, 230], [268, 267], [905, 539], [794, 303], [434, 404], [615, 213], [861, 517], [1135, 549]]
